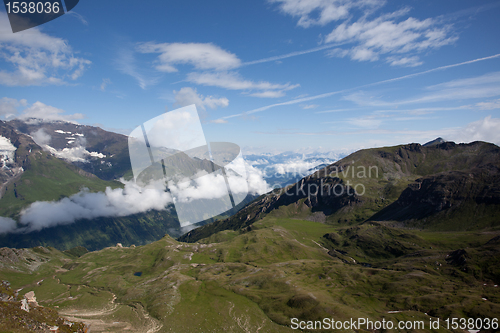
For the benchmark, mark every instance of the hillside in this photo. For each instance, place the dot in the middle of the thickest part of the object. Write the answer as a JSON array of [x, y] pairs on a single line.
[[77, 158], [39, 175], [257, 280], [362, 184]]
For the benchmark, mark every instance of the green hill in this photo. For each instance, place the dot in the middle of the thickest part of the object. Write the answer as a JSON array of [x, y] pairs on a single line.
[[258, 279]]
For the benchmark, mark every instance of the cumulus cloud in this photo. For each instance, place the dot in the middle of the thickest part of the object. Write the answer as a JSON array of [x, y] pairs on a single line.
[[486, 129], [203, 56], [36, 58], [256, 182], [187, 96], [45, 112]]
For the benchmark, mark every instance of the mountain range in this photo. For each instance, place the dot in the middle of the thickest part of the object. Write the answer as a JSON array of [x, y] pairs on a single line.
[[403, 233]]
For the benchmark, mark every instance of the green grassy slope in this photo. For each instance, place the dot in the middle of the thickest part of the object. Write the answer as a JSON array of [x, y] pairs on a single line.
[[278, 269], [47, 178]]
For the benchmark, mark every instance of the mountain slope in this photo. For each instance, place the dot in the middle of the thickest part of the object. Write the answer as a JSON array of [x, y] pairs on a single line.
[[43, 177], [100, 152], [355, 188], [258, 280], [453, 200]]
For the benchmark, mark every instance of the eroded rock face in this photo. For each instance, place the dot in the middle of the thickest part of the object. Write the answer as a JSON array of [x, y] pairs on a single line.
[[446, 191], [12, 256], [30, 297]]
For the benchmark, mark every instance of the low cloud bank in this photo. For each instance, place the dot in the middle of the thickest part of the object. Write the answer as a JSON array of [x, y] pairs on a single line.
[[132, 199], [7, 225], [85, 205]]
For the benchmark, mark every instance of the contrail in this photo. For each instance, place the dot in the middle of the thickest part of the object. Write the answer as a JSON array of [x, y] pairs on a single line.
[[300, 100], [292, 54]]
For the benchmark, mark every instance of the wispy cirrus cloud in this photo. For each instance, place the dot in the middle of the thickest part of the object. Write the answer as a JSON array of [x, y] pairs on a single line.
[[126, 63], [344, 91], [388, 34], [322, 12], [482, 86], [490, 105], [233, 81], [370, 38]]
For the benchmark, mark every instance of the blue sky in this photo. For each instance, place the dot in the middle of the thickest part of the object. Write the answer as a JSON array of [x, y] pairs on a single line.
[[268, 75]]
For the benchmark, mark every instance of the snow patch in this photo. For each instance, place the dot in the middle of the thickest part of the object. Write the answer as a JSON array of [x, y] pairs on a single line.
[[7, 152], [62, 132], [79, 134], [74, 154], [96, 154]]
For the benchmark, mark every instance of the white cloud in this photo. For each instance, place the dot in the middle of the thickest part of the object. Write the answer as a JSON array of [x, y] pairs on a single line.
[[404, 61], [36, 58], [85, 205], [310, 106], [73, 154], [322, 12], [8, 106], [104, 84], [233, 81], [489, 105], [187, 96], [126, 63], [203, 56], [385, 35], [48, 113], [41, 137], [486, 129], [78, 16], [7, 225], [483, 86], [219, 121], [132, 199], [365, 122], [269, 94]]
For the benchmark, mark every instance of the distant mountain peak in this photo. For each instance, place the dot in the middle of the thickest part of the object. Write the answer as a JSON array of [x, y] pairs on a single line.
[[434, 142]]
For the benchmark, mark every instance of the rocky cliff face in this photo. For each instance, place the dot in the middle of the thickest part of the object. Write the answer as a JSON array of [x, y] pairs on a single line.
[[447, 194]]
